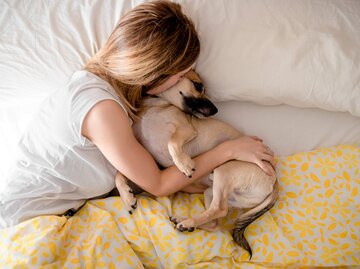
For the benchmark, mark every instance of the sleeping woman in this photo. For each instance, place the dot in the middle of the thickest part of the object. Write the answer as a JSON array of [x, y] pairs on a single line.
[[82, 135]]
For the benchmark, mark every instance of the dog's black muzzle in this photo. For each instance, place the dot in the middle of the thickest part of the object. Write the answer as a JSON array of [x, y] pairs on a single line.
[[199, 106]]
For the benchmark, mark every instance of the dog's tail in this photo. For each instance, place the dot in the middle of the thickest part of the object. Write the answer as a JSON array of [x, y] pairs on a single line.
[[250, 216]]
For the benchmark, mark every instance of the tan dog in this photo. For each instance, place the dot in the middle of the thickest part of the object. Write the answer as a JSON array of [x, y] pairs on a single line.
[[172, 130]]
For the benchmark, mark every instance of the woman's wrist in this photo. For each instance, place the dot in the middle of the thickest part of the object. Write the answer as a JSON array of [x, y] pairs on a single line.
[[224, 151]]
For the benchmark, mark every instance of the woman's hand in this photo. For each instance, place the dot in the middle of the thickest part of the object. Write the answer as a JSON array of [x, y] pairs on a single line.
[[251, 149]]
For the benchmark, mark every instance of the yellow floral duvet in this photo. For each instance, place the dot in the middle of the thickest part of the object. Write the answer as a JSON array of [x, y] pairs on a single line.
[[315, 223]]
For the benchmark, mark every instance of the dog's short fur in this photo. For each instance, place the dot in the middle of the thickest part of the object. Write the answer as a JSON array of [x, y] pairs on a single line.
[[174, 130]]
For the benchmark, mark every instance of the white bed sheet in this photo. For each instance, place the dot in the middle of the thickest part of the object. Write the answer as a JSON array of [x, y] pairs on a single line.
[[289, 130]]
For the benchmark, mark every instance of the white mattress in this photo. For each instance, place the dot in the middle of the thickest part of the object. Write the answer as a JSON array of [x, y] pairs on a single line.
[[43, 42]]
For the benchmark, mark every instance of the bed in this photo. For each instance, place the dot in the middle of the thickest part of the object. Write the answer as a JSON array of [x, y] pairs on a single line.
[[286, 71]]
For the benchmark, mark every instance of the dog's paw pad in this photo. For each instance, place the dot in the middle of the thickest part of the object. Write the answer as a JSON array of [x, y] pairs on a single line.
[[182, 225], [182, 228]]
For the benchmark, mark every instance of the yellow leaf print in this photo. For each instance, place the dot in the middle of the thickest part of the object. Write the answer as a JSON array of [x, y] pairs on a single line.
[[327, 183], [293, 253], [305, 228], [289, 218], [74, 261], [312, 246], [34, 260], [323, 216], [329, 193], [290, 177], [343, 234], [325, 165], [152, 221], [291, 194], [346, 176], [293, 166], [52, 248], [106, 245], [304, 167], [314, 177], [123, 220], [100, 203], [98, 240], [351, 160], [266, 239], [354, 192]]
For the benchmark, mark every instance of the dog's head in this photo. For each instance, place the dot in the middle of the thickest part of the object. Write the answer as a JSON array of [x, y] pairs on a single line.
[[189, 95]]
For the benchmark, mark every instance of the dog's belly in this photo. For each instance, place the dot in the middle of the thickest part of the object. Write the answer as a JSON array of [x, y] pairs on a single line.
[[247, 184]]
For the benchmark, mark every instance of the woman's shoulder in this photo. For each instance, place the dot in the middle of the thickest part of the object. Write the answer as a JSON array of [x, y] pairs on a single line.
[[86, 86], [85, 79]]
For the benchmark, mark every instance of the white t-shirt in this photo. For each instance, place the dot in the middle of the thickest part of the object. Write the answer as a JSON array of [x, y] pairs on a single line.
[[56, 167]]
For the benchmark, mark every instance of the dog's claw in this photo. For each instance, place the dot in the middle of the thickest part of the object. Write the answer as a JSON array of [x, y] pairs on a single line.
[[185, 164], [134, 206], [179, 226], [173, 220]]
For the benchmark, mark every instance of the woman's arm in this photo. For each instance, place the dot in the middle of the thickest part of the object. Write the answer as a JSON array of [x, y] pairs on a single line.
[[107, 126]]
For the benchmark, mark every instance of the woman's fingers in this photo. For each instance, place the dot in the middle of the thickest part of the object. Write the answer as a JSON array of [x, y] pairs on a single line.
[[266, 167], [256, 138], [267, 157]]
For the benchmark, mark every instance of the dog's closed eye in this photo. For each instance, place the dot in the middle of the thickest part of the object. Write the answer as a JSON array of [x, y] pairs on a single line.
[[198, 86]]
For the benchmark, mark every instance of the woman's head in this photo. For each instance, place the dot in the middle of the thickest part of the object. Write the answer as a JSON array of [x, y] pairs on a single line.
[[151, 43]]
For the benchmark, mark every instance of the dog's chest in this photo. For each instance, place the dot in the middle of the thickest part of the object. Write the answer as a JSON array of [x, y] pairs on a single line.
[[154, 131]]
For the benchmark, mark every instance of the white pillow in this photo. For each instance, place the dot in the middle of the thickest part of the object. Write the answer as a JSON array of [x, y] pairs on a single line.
[[43, 43], [302, 53]]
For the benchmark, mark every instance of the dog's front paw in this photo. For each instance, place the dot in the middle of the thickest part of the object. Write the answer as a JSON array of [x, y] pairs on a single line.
[[181, 225], [185, 165], [129, 199]]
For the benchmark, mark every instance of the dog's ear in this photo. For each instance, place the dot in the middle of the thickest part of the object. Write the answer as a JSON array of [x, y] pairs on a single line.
[[193, 76]]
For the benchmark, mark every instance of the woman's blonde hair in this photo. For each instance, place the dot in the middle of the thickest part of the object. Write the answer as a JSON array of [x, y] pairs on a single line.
[[150, 43]]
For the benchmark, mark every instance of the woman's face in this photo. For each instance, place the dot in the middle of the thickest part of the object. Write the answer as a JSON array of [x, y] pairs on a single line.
[[171, 81]]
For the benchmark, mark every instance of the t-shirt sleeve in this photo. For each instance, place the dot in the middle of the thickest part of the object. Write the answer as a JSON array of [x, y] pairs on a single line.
[[81, 103]]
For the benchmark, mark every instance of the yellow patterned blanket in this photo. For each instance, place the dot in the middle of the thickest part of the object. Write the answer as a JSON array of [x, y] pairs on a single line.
[[315, 222]]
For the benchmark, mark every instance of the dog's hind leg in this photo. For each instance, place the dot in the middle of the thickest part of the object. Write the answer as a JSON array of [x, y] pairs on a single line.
[[182, 135], [218, 208], [126, 193], [210, 226]]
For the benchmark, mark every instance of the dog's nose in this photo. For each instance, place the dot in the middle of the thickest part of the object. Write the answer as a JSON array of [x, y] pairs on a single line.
[[200, 107], [206, 108]]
